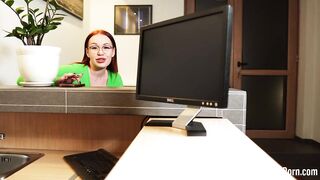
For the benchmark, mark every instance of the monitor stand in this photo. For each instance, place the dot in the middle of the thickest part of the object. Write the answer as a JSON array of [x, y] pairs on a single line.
[[184, 121]]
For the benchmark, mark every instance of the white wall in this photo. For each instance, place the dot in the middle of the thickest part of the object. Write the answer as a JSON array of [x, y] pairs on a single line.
[[71, 34], [308, 111], [8, 64], [101, 15]]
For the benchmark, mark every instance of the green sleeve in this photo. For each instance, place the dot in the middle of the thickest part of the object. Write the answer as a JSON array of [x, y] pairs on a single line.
[[19, 80]]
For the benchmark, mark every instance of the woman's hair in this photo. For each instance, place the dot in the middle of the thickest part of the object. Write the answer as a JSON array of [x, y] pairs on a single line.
[[113, 66]]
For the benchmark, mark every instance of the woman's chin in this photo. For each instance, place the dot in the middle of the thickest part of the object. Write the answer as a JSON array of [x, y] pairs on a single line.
[[99, 66]]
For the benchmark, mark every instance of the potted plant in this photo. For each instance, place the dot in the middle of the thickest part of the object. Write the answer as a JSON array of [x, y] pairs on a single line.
[[38, 65]]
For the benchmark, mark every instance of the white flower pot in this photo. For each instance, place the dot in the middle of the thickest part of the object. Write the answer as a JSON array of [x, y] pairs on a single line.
[[38, 63]]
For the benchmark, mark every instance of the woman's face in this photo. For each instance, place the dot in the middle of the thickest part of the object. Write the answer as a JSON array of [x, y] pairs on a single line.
[[100, 50]]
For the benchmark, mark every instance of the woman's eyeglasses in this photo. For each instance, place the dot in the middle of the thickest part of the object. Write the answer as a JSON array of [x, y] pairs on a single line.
[[96, 49]]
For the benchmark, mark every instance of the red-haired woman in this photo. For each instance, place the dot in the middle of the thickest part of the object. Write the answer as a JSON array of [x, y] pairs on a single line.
[[99, 64]]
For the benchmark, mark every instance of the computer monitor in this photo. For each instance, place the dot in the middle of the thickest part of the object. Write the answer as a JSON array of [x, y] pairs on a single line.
[[186, 60]]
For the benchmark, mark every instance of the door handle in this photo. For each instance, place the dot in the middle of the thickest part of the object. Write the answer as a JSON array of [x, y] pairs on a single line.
[[240, 64]]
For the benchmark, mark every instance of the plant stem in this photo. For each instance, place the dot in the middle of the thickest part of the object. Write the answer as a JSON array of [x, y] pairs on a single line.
[[45, 12], [23, 42], [28, 11], [44, 19]]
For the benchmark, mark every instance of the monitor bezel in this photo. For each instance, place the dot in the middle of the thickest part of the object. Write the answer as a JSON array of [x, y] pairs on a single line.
[[227, 12]]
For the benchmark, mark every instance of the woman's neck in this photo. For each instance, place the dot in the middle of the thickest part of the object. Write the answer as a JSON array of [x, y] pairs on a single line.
[[98, 77]]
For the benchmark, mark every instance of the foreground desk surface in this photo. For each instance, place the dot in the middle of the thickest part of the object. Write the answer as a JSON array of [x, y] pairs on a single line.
[[49, 167], [167, 153]]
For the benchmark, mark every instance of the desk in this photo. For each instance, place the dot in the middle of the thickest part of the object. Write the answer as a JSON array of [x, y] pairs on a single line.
[[167, 153]]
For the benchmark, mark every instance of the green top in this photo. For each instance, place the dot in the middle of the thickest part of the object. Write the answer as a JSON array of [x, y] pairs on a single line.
[[114, 79]]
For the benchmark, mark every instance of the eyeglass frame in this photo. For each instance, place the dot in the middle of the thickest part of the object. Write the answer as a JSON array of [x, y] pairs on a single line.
[[100, 48]]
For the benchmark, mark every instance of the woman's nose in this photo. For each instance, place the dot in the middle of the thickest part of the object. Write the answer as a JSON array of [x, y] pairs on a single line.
[[100, 51]]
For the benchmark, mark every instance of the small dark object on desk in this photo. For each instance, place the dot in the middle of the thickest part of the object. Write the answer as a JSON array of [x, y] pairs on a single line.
[[93, 165], [193, 128], [71, 85], [70, 80]]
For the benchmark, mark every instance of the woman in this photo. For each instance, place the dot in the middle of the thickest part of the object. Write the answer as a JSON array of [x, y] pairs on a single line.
[[99, 64]]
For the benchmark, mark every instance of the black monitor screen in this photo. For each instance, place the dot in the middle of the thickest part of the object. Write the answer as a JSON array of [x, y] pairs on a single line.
[[186, 60]]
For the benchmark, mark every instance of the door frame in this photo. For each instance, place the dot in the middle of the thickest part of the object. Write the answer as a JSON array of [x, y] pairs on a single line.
[[290, 73]]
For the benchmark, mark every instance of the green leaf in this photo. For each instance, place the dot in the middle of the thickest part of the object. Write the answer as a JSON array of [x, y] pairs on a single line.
[[9, 3], [36, 10], [31, 20], [24, 16], [51, 27], [24, 24], [21, 31], [57, 19], [58, 14], [54, 5], [28, 26], [55, 23], [11, 35], [31, 11], [33, 28], [35, 31], [39, 14], [19, 10]]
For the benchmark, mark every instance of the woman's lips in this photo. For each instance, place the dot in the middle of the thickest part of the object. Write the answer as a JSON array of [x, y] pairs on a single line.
[[101, 60]]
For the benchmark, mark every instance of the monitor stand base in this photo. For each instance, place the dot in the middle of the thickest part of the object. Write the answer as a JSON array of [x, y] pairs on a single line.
[[193, 128], [196, 129], [163, 123]]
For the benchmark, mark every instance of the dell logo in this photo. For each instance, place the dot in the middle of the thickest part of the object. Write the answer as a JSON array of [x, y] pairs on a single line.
[[170, 100]]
